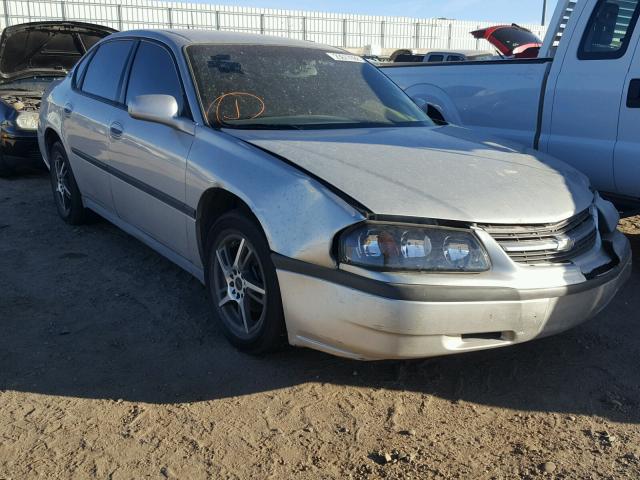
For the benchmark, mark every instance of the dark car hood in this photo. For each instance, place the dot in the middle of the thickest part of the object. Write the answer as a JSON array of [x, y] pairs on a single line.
[[46, 48]]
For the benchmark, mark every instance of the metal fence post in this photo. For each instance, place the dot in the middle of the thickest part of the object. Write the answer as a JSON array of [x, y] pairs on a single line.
[[304, 28], [217, 15], [119, 14], [382, 28], [262, 24], [5, 4], [417, 35], [169, 16], [344, 33], [449, 36], [62, 10]]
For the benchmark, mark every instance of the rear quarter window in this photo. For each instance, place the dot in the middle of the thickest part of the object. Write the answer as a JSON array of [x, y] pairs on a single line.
[[104, 74]]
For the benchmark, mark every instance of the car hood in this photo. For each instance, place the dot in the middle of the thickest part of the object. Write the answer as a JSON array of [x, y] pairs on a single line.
[[46, 48], [445, 173]]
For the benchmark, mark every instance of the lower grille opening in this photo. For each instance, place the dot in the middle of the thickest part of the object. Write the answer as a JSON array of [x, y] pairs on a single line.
[[483, 336]]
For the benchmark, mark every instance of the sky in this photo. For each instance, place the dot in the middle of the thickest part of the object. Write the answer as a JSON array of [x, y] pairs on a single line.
[[503, 11]]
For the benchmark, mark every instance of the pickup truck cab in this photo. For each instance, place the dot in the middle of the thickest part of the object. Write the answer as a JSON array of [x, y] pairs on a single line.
[[578, 101]]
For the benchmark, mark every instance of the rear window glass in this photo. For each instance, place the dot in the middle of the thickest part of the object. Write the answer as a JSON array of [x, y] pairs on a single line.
[[609, 30], [514, 37], [104, 74]]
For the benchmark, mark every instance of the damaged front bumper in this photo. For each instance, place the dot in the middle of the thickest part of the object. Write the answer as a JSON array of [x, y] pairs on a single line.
[[394, 317]]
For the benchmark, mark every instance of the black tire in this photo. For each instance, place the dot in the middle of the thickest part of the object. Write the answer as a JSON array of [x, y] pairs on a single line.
[[5, 169], [66, 194], [256, 331]]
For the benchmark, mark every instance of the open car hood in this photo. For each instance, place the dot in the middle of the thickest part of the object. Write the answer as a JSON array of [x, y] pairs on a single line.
[[511, 40], [46, 48]]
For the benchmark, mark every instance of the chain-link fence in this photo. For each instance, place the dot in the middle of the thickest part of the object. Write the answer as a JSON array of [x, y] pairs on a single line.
[[341, 30]]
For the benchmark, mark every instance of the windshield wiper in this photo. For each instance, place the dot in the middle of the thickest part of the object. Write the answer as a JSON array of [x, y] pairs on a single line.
[[259, 126]]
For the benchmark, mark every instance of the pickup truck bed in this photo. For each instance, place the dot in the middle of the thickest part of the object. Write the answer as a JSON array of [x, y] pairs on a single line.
[[501, 98], [579, 102]]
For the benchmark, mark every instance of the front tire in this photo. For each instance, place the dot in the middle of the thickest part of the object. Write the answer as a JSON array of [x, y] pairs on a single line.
[[65, 189], [243, 285]]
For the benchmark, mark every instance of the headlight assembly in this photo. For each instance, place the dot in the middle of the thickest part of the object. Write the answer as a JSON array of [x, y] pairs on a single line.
[[382, 246], [27, 120]]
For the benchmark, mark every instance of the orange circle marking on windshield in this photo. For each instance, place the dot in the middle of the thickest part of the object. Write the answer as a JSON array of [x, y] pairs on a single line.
[[221, 99]]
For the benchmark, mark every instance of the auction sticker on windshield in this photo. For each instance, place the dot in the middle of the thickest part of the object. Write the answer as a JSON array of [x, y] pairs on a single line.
[[344, 57]]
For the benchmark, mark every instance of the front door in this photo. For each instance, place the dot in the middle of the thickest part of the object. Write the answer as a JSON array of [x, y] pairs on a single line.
[[627, 152], [149, 159], [586, 105]]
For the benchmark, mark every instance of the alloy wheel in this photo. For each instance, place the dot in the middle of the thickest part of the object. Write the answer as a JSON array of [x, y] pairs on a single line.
[[239, 285], [62, 188]]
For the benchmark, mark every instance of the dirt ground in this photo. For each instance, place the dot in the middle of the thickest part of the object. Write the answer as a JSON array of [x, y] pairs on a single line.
[[111, 368]]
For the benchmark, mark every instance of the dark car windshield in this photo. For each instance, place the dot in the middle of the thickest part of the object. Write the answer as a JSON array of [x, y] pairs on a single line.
[[264, 86]]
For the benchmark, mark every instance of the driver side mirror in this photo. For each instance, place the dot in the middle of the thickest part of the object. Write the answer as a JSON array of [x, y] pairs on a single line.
[[161, 109]]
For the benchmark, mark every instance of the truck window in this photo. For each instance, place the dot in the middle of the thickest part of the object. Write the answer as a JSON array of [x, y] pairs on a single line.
[[436, 58], [455, 58], [609, 29]]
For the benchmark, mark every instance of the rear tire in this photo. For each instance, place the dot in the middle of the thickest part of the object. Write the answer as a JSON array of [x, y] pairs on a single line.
[[243, 286], [66, 194]]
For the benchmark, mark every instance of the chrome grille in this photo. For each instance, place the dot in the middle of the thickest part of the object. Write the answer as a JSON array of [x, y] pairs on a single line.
[[547, 243]]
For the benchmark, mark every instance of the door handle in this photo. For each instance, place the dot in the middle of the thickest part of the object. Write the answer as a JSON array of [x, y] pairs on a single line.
[[633, 97], [116, 130], [67, 109]]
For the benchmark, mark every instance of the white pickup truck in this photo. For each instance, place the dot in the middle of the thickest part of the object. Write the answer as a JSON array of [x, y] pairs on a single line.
[[578, 101]]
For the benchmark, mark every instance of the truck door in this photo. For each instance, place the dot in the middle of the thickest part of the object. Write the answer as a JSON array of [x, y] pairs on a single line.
[[589, 86], [626, 165]]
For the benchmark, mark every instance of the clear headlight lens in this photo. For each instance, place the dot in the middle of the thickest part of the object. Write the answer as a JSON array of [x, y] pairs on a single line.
[[27, 120], [418, 248]]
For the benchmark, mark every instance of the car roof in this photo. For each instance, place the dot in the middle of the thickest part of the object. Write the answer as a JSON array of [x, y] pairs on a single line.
[[180, 38]]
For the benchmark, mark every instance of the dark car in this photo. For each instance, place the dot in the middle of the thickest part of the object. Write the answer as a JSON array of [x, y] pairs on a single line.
[[32, 55]]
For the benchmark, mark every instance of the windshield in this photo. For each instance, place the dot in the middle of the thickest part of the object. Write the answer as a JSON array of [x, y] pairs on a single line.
[[265, 86], [514, 37]]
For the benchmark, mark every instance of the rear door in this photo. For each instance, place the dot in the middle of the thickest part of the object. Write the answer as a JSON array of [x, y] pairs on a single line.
[[149, 160], [87, 113], [627, 152], [588, 91]]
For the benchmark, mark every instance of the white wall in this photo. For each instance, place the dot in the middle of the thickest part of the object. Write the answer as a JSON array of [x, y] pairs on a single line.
[[341, 30]]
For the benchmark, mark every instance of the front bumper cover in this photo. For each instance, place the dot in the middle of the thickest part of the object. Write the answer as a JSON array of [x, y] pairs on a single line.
[[348, 315]]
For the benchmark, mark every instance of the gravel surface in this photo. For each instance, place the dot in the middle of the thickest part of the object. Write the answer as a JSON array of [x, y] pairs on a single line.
[[111, 368]]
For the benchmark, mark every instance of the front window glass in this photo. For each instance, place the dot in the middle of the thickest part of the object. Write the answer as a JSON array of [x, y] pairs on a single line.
[[436, 58], [609, 29], [263, 86], [154, 72]]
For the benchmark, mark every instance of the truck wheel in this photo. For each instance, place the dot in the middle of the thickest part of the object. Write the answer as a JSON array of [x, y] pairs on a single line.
[[243, 286], [65, 189]]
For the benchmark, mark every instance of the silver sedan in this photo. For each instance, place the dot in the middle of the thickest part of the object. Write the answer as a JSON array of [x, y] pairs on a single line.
[[319, 205]]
